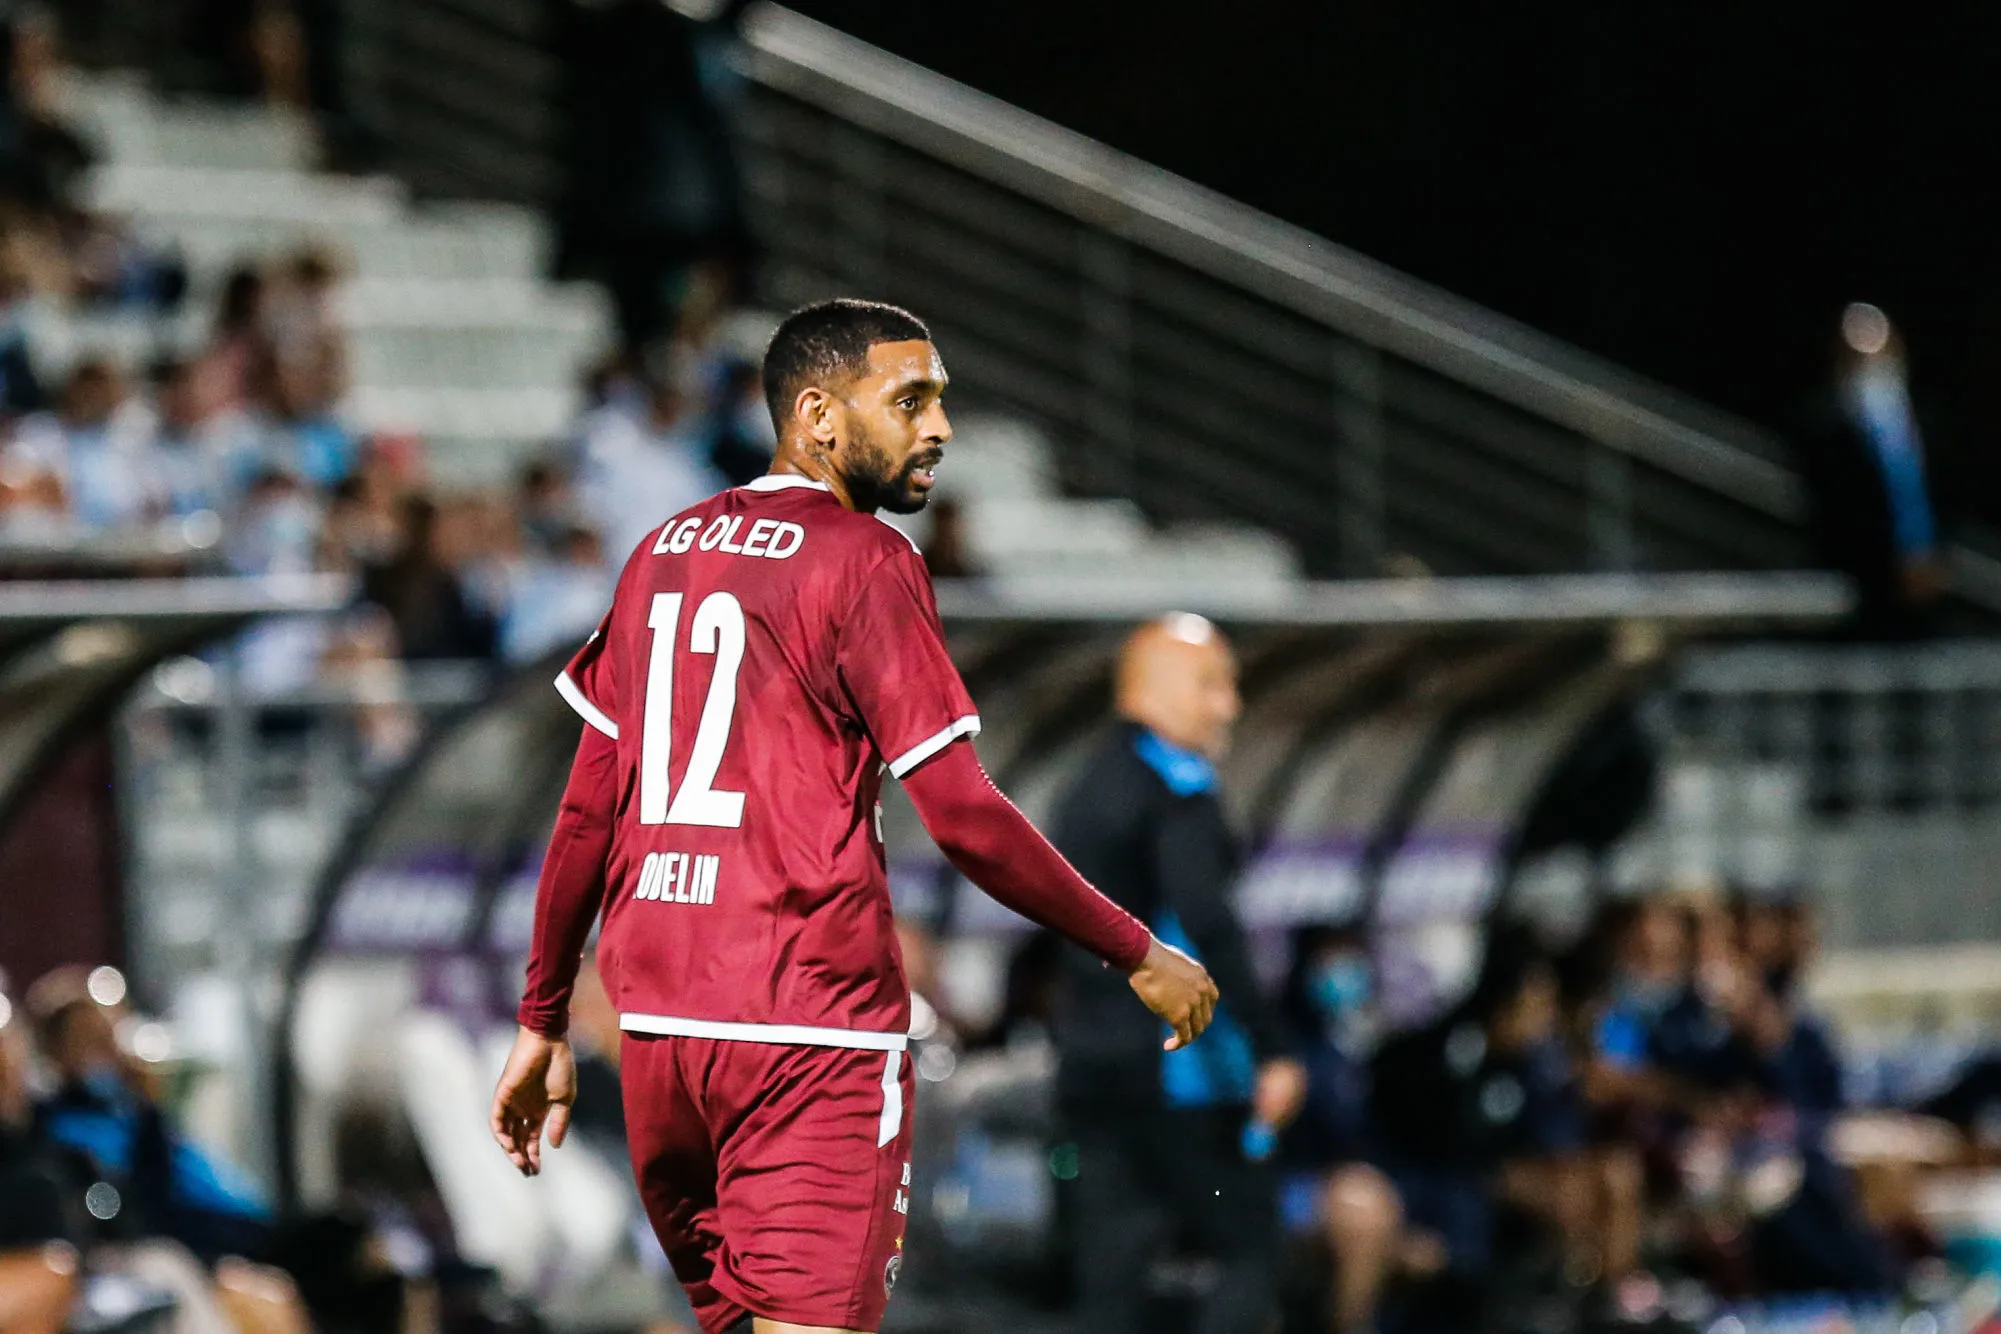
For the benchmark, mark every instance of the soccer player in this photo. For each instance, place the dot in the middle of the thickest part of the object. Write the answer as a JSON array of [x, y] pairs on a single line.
[[770, 653]]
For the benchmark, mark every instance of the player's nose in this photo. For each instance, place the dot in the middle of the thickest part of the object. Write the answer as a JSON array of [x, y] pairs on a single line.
[[934, 428]]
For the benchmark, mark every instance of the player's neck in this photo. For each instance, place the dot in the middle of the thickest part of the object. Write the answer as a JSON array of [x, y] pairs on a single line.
[[789, 464]]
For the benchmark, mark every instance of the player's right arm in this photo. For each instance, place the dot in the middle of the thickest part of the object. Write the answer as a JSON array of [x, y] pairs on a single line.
[[895, 668], [539, 1083]]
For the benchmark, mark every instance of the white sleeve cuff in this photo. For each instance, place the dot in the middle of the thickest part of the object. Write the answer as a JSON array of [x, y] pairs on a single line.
[[595, 716], [931, 745]]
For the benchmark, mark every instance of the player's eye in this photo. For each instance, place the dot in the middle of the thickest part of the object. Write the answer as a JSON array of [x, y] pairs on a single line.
[[908, 402]]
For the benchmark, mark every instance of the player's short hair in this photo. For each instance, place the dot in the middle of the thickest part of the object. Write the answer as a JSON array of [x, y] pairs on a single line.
[[826, 341]]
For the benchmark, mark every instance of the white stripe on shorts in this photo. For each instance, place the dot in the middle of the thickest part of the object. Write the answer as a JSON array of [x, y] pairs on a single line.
[[892, 1100], [804, 1035]]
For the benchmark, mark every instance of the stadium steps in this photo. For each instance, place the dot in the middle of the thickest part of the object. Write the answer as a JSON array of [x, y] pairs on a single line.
[[454, 335], [1031, 540]]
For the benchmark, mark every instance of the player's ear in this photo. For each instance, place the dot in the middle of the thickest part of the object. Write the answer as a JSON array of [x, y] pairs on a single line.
[[817, 413]]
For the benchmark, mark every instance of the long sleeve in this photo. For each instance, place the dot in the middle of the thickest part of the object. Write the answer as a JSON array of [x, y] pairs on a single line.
[[993, 845], [1196, 867], [571, 889]]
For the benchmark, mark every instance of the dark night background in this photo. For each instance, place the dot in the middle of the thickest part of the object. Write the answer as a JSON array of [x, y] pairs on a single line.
[[1692, 190]]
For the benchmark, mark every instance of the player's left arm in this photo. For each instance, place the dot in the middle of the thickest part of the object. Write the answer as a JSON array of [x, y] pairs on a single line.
[[892, 661], [990, 842], [993, 845]]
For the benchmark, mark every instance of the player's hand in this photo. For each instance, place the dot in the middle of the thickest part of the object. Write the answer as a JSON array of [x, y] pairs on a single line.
[[1178, 989], [536, 1091], [1279, 1093]]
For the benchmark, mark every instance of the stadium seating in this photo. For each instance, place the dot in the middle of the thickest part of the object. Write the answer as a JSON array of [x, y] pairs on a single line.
[[455, 336]]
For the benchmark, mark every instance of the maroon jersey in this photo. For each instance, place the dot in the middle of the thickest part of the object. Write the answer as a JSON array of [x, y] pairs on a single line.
[[769, 654]]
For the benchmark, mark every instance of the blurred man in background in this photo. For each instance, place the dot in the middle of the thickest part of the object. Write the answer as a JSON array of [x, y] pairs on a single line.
[[1874, 514], [1171, 1147], [38, 1259]]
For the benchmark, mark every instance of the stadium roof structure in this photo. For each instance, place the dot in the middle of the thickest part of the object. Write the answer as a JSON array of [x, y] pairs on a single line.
[[1733, 602]]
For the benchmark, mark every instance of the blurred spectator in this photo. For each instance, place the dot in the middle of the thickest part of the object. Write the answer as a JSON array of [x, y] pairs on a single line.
[[113, 268], [1874, 516], [239, 367], [744, 436], [560, 599], [170, 1217], [362, 523], [277, 529], [242, 49], [103, 1107], [89, 457], [1331, 1151], [1478, 1114], [38, 1212], [1718, 1076], [207, 456], [547, 508], [420, 587], [309, 367], [40, 159], [636, 470], [362, 656], [20, 387], [651, 182], [1171, 1147]]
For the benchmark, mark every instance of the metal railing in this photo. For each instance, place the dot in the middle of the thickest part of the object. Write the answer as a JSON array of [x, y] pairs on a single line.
[[1208, 360]]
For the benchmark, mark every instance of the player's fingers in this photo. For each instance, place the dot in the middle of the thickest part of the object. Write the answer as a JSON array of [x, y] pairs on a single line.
[[504, 1134], [501, 1122], [558, 1124], [531, 1143]]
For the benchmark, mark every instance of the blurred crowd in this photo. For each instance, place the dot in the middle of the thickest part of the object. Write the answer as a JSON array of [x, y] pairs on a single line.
[[110, 1218], [241, 448], [115, 1218], [1627, 1132], [237, 455]]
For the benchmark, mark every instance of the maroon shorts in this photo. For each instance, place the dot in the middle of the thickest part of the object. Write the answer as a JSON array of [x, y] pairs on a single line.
[[776, 1175]]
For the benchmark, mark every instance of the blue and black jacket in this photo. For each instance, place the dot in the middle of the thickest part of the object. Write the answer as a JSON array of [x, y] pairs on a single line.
[[1143, 824]]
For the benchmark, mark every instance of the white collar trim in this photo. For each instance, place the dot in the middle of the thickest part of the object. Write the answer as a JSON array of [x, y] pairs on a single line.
[[778, 481]]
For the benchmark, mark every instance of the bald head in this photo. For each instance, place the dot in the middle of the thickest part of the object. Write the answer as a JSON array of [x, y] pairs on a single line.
[[1177, 677]]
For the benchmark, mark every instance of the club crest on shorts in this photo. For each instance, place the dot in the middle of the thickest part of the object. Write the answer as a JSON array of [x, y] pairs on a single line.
[[890, 1273]]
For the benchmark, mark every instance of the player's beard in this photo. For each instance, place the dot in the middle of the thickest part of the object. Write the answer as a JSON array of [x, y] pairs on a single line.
[[876, 481]]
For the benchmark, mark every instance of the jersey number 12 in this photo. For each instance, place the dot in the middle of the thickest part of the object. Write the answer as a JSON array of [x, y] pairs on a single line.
[[718, 629]]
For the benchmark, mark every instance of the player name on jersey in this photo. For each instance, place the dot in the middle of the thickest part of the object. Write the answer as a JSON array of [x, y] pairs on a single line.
[[678, 877], [772, 539]]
